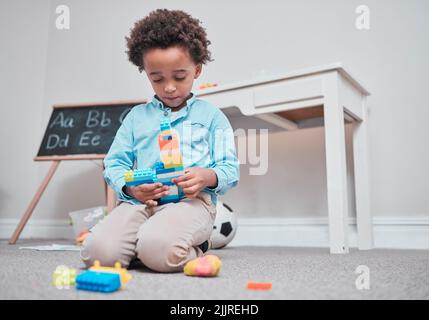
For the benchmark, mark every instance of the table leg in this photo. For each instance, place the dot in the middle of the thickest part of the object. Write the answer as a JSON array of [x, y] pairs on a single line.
[[362, 186], [336, 169]]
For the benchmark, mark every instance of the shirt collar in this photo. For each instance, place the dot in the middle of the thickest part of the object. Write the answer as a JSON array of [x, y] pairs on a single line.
[[159, 104]]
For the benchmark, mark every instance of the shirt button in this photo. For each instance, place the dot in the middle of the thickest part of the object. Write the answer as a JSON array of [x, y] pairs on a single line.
[[165, 113]]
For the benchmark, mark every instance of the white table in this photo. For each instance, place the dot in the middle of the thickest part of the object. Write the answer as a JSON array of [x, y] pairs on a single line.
[[324, 95]]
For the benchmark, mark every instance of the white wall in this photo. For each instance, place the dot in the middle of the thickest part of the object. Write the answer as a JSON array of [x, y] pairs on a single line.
[[23, 66], [42, 66]]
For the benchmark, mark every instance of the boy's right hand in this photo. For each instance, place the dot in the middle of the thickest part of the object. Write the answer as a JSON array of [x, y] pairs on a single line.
[[148, 192]]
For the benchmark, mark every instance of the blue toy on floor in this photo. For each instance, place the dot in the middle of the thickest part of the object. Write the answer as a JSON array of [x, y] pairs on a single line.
[[98, 281]]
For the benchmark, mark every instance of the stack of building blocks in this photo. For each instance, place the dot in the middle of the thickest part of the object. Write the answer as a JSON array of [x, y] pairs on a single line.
[[170, 166], [169, 146], [103, 279]]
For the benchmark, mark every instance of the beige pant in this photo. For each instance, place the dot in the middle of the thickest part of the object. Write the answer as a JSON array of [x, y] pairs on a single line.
[[164, 237]]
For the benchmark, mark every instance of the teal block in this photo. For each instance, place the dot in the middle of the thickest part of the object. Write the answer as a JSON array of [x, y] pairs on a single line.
[[98, 281]]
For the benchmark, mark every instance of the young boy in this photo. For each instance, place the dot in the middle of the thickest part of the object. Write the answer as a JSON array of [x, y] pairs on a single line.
[[171, 47]]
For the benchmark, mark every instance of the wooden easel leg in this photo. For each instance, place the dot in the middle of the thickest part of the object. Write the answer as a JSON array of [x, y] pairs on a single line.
[[34, 202]]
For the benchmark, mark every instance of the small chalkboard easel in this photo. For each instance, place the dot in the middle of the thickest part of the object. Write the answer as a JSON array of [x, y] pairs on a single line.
[[77, 132]]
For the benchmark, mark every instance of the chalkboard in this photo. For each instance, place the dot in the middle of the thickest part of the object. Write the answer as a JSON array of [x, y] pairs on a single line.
[[82, 131]]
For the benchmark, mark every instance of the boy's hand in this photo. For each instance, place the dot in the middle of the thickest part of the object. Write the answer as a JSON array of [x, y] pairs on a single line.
[[151, 203], [196, 179], [147, 193]]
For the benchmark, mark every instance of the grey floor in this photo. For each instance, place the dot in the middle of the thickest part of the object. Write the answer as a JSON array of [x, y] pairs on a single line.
[[296, 273]]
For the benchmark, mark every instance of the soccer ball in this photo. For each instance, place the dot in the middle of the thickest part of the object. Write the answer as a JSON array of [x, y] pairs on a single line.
[[225, 226]]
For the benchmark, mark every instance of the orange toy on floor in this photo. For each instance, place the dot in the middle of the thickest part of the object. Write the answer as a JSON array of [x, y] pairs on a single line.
[[81, 238], [259, 286], [207, 266]]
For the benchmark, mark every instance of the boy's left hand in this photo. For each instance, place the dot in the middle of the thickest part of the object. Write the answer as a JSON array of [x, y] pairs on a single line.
[[196, 179]]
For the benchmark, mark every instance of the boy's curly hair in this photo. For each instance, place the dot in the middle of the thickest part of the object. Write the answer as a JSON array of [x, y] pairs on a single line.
[[164, 28]]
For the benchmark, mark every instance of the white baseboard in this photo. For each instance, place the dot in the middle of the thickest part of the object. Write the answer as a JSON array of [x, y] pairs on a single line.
[[38, 229], [389, 232]]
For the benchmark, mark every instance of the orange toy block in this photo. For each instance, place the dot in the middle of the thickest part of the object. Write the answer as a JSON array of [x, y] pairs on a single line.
[[259, 286], [207, 266], [168, 144]]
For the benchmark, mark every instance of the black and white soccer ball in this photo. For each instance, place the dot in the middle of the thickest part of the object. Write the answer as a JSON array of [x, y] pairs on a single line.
[[225, 226]]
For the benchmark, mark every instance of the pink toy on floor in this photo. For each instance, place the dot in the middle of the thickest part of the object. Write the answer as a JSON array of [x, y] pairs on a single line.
[[207, 266]]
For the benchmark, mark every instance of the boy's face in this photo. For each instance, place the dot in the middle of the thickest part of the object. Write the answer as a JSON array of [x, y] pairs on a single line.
[[171, 72]]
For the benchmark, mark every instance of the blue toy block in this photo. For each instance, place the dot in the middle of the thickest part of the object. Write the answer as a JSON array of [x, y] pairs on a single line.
[[168, 199], [141, 176], [137, 182], [165, 176], [169, 137], [98, 281], [165, 125], [170, 170], [167, 179], [159, 165]]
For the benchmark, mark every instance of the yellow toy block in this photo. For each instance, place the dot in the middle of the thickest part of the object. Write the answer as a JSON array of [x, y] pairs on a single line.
[[172, 159], [129, 176], [64, 277], [123, 273]]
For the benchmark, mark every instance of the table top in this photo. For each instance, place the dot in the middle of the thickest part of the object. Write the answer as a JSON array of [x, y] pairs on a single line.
[[338, 66]]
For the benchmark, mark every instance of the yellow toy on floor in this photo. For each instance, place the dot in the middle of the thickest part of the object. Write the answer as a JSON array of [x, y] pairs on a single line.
[[207, 266], [64, 277], [123, 273]]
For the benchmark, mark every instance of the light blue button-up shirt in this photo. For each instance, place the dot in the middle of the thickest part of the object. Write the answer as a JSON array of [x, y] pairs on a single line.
[[206, 141]]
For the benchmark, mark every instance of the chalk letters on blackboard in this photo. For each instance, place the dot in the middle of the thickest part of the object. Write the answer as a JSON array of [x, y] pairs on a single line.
[[82, 130], [61, 121], [85, 139], [123, 114], [93, 119], [55, 141]]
